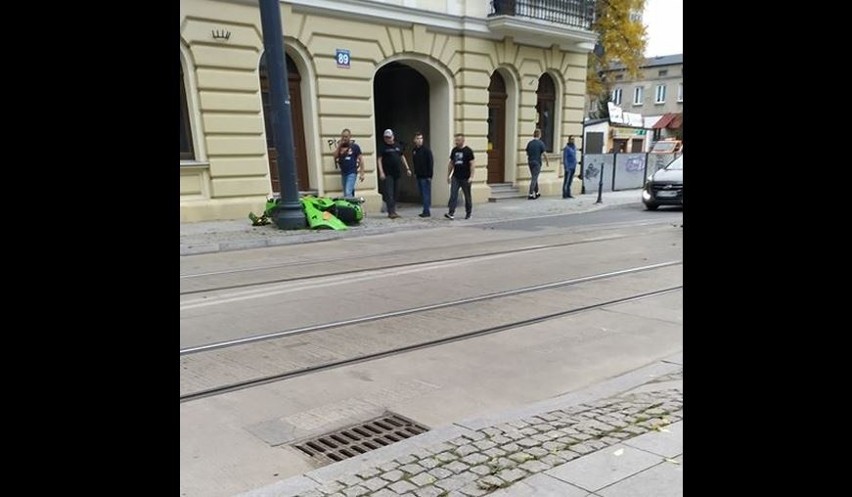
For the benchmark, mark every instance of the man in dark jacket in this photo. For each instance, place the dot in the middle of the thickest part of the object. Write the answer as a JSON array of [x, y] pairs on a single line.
[[423, 166]]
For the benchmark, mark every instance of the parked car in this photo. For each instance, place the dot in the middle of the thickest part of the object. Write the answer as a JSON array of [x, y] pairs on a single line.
[[665, 187]]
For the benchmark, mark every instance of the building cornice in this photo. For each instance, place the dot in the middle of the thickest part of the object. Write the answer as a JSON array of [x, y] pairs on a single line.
[[532, 31], [527, 31]]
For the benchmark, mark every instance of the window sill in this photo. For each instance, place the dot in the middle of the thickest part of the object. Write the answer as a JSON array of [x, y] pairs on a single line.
[[194, 164], [659, 103]]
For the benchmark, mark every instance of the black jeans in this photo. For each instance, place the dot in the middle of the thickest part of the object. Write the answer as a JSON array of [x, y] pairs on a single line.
[[391, 192], [454, 195]]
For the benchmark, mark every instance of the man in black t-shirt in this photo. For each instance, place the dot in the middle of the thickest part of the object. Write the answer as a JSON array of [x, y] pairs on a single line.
[[461, 168], [350, 160], [391, 160], [536, 149]]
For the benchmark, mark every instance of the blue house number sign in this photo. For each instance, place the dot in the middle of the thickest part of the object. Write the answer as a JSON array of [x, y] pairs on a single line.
[[342, 58]]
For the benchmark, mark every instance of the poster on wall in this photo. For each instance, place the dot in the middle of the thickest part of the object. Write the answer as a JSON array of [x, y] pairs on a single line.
[[629, 171], [593, 166]]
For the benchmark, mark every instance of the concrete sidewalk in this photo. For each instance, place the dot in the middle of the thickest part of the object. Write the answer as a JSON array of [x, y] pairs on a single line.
[[220, 236], [622, 437]]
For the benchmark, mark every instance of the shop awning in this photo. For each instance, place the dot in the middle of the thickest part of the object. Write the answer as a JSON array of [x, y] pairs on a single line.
[[670, 121]]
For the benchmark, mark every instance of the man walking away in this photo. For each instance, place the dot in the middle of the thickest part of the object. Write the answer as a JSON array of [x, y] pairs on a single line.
[[569, 162], [535, 150], [423, 168], [461, 167]]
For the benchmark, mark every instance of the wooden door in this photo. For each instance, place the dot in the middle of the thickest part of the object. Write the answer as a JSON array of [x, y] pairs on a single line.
[[496, 129], [300, 153]]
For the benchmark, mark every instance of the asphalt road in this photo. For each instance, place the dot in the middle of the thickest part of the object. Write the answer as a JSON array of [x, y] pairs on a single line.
[[345, 299], [628, 213]]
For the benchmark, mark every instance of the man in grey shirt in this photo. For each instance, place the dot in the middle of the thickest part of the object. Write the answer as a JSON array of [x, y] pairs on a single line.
[[535, 151]]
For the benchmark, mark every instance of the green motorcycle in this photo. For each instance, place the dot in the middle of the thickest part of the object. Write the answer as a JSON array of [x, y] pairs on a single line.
[[321, 212]]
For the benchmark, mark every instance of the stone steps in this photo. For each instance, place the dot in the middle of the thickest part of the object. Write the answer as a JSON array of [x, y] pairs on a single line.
[[502, 191]]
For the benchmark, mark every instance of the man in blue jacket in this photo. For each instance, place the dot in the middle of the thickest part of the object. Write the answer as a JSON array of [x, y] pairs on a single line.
[[569, 162]]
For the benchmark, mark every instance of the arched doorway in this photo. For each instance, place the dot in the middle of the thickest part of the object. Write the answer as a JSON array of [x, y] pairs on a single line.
[[294, 80], [497, 129], [401, 103], [546, 108]]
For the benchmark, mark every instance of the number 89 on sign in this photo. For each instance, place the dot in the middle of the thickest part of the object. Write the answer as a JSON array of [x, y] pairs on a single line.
[[342, 57]]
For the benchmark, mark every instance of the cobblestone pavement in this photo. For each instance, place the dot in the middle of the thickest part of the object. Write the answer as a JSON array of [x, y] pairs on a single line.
[[498, 456], [217, 236]]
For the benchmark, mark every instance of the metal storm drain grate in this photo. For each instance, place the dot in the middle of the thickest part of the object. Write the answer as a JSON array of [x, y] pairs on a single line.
[[358, 439]]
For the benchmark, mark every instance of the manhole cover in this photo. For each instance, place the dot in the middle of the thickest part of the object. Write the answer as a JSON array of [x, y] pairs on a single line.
[[359, 439]]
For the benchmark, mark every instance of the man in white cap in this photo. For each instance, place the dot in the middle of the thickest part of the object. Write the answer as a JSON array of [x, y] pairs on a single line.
[[391, 160]]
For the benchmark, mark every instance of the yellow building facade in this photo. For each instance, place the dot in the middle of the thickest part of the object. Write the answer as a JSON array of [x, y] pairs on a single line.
[[493, 72]]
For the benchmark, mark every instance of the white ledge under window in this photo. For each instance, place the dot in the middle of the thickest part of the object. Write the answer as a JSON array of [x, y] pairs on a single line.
[[194, 164], [535, 32]]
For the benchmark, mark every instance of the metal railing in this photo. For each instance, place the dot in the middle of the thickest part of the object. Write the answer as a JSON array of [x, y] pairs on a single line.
[[576, 13]]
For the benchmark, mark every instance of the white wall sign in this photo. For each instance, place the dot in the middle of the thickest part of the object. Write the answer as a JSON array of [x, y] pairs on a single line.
[[618, 116], [632, 119], [615, 114]]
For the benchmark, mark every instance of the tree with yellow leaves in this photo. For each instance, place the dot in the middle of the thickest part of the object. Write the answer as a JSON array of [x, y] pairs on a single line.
[[621, 39]]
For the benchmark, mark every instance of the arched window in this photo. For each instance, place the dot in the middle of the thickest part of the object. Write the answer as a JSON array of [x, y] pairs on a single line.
[[187, 151], [546, 108]]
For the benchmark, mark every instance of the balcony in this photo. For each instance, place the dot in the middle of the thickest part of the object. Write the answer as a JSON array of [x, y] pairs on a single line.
[[567, 23], [578, 14]]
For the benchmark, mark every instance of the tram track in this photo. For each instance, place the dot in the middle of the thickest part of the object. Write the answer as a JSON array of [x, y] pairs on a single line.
[[222, 367], [419, 309], [338, 271]]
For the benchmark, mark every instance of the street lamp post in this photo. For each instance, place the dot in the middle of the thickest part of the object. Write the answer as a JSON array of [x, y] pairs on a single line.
[[600, 185], [582, 161], [288, 212]]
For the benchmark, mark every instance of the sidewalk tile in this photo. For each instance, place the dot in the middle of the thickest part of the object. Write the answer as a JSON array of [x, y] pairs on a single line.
[[540, 485], [603, 468], [662, 480], [663, 443]]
